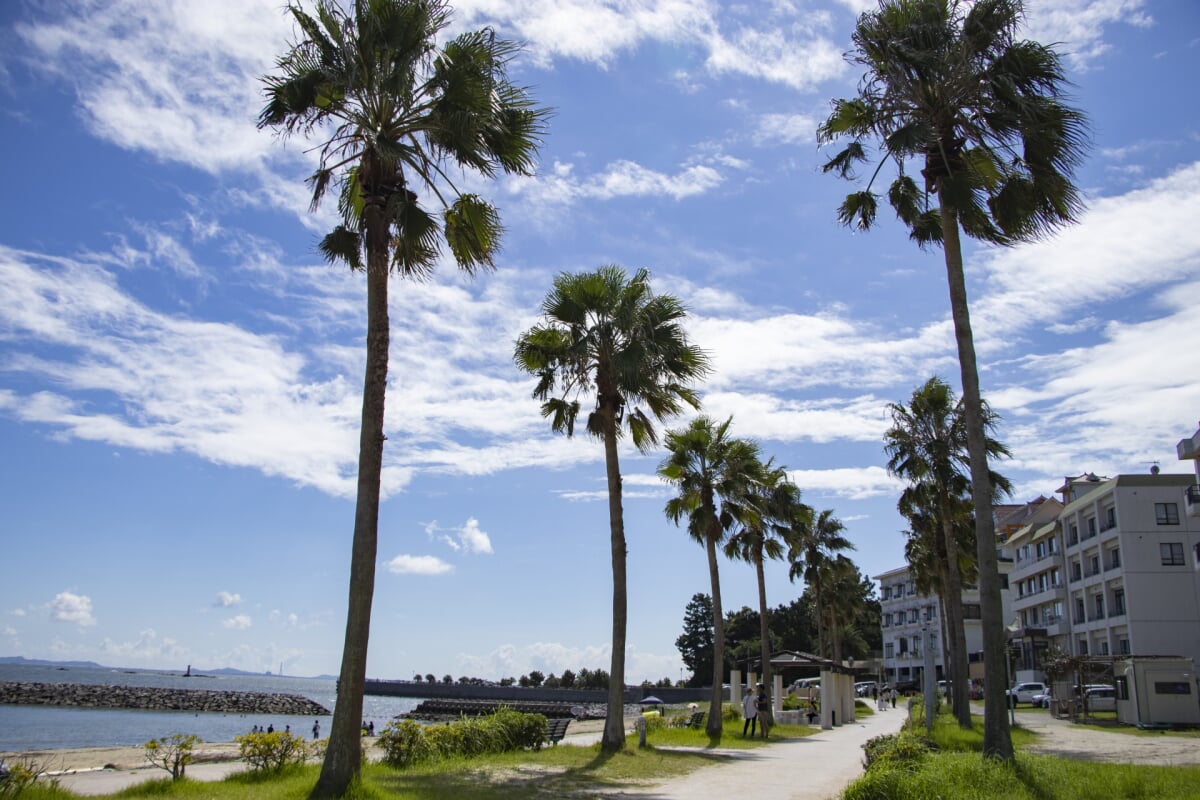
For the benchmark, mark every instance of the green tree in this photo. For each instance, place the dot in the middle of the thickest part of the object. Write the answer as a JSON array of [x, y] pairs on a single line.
[[950, 86], [814, 543], [695, 644], [713, 473], [794, 627], [927, 446], [767, 533], [609, 337], [397, 110]]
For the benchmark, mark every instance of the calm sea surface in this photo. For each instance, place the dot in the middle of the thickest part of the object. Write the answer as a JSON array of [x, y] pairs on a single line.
[[44, 727]]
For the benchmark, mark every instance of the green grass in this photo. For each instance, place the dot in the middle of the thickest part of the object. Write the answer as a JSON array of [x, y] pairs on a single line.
[[966, 775], [957, 771], [551, 772]]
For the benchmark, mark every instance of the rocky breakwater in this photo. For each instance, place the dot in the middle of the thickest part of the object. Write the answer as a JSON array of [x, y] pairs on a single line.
[[97, 696]]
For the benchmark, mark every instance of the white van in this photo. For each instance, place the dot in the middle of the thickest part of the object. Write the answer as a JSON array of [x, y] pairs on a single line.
[[804, 684]]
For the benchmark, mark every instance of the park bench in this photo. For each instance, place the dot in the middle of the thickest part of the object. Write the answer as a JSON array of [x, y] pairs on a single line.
[[556, 729], [697, 720]]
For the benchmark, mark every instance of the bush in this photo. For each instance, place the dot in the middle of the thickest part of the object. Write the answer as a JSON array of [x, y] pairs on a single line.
[[896, 751], [405, 742], [172, 753], [17, 777], [271, 752]]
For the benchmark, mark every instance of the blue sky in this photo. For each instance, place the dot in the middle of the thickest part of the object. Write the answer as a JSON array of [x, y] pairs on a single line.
[[180, 373]]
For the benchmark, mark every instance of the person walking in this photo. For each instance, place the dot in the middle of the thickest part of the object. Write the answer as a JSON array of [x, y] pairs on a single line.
[[895, 694], [750, 711]]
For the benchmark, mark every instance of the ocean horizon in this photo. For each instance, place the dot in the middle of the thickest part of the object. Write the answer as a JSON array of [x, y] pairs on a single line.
[[32, 727]]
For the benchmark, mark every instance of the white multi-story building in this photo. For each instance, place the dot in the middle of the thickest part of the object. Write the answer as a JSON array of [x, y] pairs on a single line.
[[1037, 584], [908, 615]]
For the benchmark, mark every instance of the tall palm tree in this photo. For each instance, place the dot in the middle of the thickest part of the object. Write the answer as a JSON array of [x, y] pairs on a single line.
[[815, 543], [840, 597], [396, 111], [950, 86], [927, 446], [608, 338], [767, 534], [715, 475]]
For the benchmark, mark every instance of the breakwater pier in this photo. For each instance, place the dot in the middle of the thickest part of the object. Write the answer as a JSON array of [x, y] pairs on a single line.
[[156, 699]]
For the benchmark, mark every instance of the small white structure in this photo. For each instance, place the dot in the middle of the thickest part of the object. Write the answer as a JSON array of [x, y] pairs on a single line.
[[1157, 690]]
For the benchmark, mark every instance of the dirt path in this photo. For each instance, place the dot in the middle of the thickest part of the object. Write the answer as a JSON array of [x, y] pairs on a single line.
[[1060, 737]]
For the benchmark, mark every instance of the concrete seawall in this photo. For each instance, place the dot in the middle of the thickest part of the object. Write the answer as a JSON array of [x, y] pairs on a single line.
[[98, 696]]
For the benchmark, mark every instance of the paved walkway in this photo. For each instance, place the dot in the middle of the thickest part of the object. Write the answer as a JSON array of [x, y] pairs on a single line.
[[816, 767]]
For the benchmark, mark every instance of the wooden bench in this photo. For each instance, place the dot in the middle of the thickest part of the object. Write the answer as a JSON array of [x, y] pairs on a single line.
[[556, 729], [697, 720]]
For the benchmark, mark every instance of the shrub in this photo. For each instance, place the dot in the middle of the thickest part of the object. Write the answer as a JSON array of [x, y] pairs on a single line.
[[792, 702], [897, 750], [17, 777], [731, 713], [271, 752], [172, 753], [403, 743], [654, 721]]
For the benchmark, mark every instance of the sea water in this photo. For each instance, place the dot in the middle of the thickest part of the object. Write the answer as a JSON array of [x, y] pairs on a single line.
[[25, 727]]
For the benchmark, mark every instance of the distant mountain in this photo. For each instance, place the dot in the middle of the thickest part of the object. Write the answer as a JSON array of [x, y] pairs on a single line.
[[41, 662]]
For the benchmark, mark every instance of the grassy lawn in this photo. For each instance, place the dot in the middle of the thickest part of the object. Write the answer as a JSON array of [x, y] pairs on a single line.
[[955, 770], [561, 771]]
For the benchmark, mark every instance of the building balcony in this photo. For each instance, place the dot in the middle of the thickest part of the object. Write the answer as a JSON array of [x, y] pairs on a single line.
[[1193, 501]]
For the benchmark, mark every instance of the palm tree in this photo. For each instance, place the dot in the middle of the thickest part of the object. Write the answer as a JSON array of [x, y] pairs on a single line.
[[715, 475], [840, 597], [396, 112], [927, 446], [950, 85], [816, 542], [609, 337], [774, 503]]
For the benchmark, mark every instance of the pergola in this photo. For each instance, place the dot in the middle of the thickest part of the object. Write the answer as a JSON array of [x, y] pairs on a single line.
[[837, 684]]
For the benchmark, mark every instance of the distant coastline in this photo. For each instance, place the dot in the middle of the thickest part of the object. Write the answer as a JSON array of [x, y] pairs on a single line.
[[195, 673]]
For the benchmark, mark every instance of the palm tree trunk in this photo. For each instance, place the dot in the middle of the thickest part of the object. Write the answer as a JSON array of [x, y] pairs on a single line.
[[997, 741], [613, 738], [343, 756], [713, 726], [764, 633], [820, 614], [956, 632]]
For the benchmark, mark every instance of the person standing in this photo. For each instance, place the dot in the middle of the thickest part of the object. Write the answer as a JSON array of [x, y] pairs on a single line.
[[763, 707], [750, 711], [895, 694], [316, 729]]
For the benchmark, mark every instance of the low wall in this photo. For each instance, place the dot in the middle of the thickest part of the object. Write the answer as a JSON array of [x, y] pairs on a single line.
[[464, 691]]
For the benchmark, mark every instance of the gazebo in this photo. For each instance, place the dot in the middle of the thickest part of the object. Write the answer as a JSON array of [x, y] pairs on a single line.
[[837, 685]]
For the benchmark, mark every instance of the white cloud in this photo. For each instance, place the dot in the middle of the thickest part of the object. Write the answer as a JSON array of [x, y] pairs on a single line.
[[473, 538], [239, 622], [787, 129], [1077, 26], [73, 608], [148, 648], [418, 565], [855, 483], [227, 599]]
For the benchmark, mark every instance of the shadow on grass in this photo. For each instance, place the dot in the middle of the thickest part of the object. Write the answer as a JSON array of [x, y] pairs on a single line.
[[627, 769]]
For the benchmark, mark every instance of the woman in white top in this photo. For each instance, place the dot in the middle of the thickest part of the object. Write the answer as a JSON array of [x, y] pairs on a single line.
[[750, 711]]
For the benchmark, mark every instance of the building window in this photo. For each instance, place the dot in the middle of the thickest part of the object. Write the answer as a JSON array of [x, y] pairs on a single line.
[[1004, 579], [1104, 648], [1118, 601], [1123, 646], [912, 615], [1172, 553], [1079, 615], [1094, 565], [1073, 538], [1083, 647], [1114, 558], [889, 650], [1055, 578], [971, 611], [1076, 571], [1053, 545], [1166, 513], [1091, 527], [1099, 605], [1110, 519]]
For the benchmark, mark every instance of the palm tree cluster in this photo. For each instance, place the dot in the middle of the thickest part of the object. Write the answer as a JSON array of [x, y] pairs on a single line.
[[399, 112], [951, 91]]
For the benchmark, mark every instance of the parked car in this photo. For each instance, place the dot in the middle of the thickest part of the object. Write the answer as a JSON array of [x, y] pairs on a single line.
[[863, 688], [1100, 698], [1024, 692], [1043, 700]]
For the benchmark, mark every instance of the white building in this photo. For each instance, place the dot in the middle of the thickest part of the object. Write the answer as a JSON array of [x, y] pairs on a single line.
[[907, 615]]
